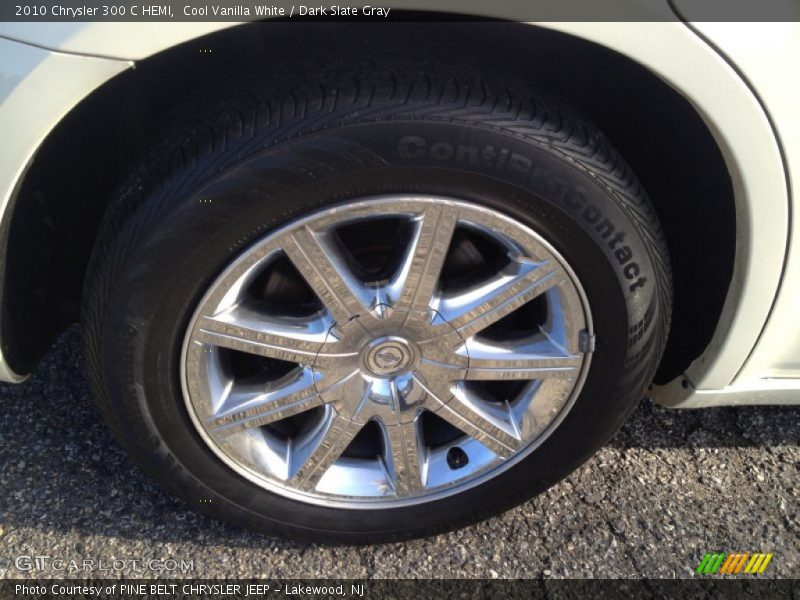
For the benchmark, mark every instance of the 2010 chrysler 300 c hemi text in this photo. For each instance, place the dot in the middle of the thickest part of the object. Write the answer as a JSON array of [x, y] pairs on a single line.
[[351, 281]]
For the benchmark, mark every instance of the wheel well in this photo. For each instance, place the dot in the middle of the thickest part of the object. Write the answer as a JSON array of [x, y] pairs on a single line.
[[62, 199]]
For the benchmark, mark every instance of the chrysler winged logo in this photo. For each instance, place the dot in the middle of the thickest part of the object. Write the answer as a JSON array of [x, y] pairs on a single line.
[[388, 358]]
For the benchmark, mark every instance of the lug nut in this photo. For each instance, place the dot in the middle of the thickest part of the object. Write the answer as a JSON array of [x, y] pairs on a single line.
[[457, 458]]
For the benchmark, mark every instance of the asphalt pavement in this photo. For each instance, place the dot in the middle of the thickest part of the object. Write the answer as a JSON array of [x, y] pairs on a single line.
[[670, 486]]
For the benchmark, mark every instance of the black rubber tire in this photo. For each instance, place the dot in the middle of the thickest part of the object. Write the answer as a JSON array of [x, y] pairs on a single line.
[[279, 148]]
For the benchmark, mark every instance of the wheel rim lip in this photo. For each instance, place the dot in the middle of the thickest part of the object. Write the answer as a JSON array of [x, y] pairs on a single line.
[[379, 502]]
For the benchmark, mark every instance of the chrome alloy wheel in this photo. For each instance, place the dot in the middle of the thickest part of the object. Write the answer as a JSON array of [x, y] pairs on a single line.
[[386, 352]]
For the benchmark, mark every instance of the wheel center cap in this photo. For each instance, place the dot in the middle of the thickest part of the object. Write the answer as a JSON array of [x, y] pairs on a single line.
[[388, 356]]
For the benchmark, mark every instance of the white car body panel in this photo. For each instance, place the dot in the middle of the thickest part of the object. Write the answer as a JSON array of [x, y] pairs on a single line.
[[743, 358], [768, 54], [127, 41], [37, 89]]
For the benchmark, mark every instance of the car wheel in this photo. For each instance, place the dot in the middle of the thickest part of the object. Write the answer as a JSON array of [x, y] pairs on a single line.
[[375, 306]]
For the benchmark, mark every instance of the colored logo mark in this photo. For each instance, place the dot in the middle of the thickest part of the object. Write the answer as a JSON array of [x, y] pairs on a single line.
[[722, 563]]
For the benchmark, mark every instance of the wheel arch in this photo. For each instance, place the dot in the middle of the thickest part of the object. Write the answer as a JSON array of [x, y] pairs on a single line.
[[625, 91]]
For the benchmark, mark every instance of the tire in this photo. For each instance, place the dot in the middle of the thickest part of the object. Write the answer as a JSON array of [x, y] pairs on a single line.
[[280, 152]]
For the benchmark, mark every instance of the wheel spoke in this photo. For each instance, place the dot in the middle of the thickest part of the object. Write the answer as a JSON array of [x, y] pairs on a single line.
[[405, 457], [541, 360], [521, 281], [488, 427], [309, 461], [292, 340], [422, 264], [346, 387], [322, 267], [252, 406]]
